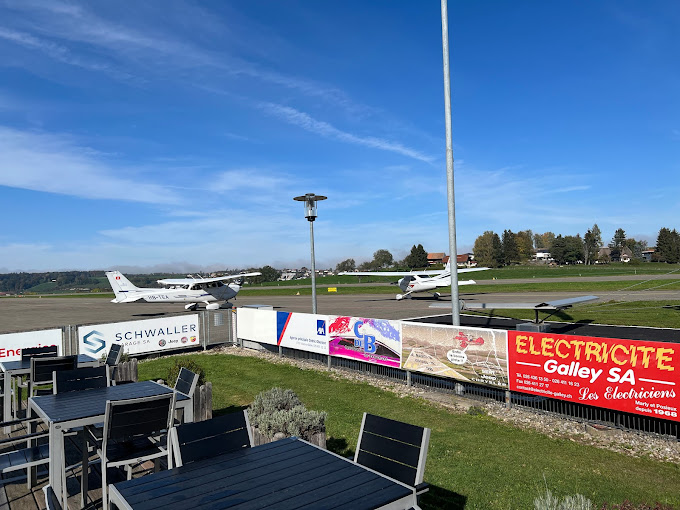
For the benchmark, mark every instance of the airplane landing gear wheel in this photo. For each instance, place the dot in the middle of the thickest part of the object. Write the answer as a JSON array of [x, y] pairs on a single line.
[[399, 297], [437, 295], [192, 307]]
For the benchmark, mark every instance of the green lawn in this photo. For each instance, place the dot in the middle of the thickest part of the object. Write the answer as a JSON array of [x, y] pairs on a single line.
[[474, 462]]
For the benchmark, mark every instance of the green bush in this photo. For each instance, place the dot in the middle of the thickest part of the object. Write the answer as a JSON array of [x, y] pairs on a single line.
[[189, 364], [279, 410], [477, 411]]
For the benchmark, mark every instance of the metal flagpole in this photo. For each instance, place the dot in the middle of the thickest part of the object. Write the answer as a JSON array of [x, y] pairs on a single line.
[[453, 258]]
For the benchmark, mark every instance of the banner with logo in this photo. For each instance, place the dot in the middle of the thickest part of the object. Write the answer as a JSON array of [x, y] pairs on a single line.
[[12, 343], [303, 331], [371, 340], [140, 337], [633, 376], [466, 354]]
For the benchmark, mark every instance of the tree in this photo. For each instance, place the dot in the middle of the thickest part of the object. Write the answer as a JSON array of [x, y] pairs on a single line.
[[509, 248], [668, 245], [592, 241], [383, 259], [488, 249], [567, 250], [417, 257], [269, 274], [346, 265], [544, 240], [637, 247], [618, 240], [525, 244]]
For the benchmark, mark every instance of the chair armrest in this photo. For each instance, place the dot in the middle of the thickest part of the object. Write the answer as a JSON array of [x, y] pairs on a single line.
[[422, 487], [19, 422], [25, 437]]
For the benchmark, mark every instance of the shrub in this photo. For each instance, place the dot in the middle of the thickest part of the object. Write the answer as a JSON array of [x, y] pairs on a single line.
[[279, 410], [477, 411], [550, 502], [187, 363]]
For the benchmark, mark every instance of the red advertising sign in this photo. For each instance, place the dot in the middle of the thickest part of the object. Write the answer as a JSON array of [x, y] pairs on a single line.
[[633, 376]]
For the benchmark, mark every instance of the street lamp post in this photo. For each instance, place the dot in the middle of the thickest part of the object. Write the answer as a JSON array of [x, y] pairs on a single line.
[[310, 200]]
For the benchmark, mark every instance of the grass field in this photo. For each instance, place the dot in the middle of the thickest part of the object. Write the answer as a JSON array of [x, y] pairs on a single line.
[[474, 462]]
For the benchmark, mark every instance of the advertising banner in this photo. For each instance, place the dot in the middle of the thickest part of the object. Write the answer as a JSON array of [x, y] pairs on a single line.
[[140, 337], [466, 354], [12, 343], [256, 325], [303, 331], [632, 376], [371, 340]]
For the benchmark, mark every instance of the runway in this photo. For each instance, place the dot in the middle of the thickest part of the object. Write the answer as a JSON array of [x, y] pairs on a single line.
[[25, 314]]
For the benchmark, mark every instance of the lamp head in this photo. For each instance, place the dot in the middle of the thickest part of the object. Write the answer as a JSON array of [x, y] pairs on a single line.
[[310, 200]]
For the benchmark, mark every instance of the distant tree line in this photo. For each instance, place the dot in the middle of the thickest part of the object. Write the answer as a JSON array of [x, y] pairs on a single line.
[[492, 250], [383, 259], [20, 282]]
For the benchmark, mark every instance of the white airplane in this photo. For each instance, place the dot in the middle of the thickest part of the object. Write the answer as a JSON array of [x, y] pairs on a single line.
[[181, 290], [421, 281]]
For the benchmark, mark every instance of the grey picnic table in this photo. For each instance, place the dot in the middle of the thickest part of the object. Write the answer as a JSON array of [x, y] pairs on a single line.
[[283, 475], [64, 411]]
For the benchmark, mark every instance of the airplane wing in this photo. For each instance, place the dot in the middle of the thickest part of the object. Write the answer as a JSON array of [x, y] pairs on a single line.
[[189, 281], [410, 273], [558, 304]]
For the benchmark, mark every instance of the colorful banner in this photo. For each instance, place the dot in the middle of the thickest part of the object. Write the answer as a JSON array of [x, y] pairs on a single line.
[[303, 331], [12, 343], [632, 376], [371, 340], [140, 337], [466, 354]]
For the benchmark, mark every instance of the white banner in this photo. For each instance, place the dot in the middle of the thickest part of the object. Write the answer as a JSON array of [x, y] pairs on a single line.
[[12, 343], [140, 337], [256, 325], [302, 331]]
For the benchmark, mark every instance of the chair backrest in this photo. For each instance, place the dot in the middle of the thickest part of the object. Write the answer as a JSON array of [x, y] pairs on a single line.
[[80, 379], [115, 353], [393, 448], [137, 417], [186, 382], [203, 439], [31, 352], [42, 367]]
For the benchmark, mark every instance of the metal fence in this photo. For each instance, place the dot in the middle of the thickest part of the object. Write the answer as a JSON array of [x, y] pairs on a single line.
[[218, 327]]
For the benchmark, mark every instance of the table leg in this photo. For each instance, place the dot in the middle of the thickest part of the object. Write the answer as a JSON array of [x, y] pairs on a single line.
[[57, 466], [7, 401]]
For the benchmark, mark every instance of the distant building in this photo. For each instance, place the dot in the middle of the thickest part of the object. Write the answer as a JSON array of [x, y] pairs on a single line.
[[435, 258], [541, 255], [466, 260], [647, 254]]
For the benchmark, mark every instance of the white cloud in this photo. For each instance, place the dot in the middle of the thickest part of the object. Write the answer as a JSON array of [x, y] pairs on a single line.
[[55, 164], [321, 128]]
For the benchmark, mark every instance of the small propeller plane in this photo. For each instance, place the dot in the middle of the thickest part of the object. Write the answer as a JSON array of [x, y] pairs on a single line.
[[421, 281], [179, 290]]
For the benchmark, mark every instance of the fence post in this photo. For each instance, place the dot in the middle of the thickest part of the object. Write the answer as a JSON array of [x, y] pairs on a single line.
[[408, 378], [508, 399], [329, 361]]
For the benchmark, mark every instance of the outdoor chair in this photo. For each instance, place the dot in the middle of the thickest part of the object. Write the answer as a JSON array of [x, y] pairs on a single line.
[[80, 379], [186, 385], [33, 352], [112, 360], [27, 354], [395, 449], [135, 430], [223, 434], [42, 369], [51, 500], [22, 457]]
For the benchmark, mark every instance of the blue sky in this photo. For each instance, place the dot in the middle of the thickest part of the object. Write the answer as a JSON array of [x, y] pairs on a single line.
[[170, 135]]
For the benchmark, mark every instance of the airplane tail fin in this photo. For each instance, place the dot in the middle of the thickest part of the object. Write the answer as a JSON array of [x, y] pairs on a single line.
[[122, 287]]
